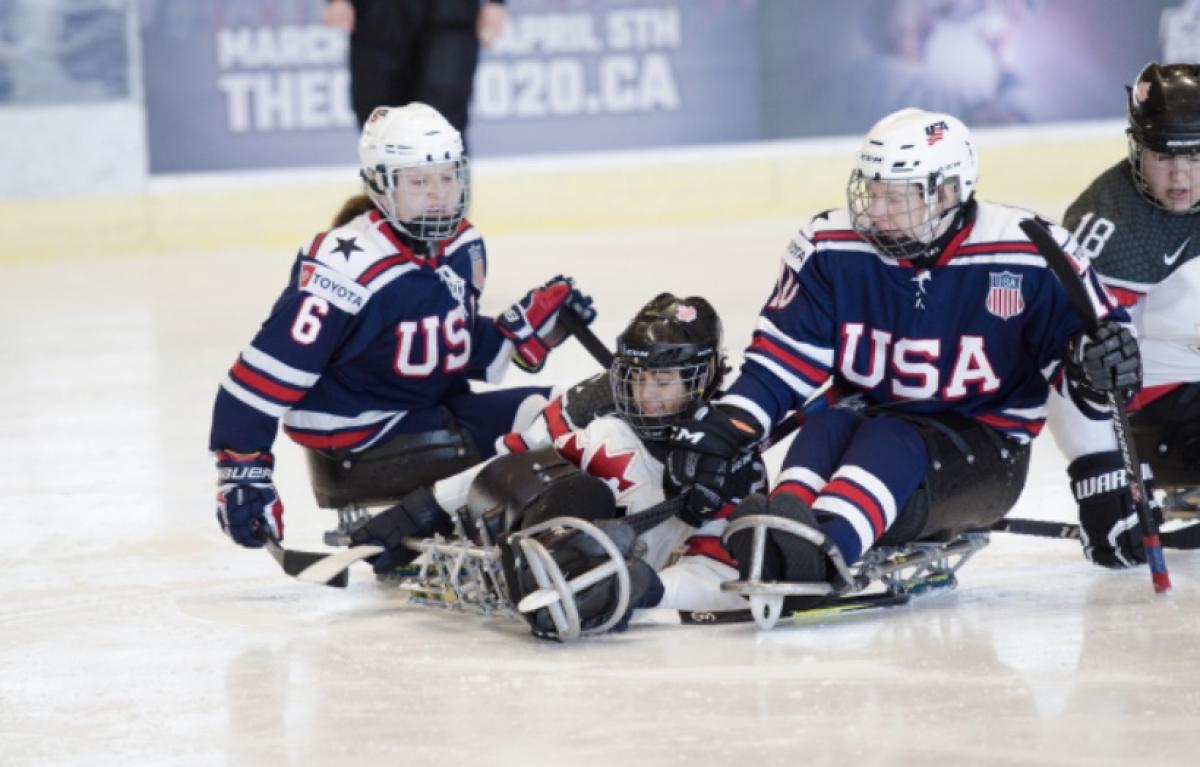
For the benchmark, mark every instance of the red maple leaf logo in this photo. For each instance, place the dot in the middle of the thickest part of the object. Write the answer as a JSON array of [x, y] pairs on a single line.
[[568, 447], [613, 466]]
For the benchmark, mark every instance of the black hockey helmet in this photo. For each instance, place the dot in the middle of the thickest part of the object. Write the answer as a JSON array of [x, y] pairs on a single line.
[[1164, 116], [668, 360], [1164, 108]]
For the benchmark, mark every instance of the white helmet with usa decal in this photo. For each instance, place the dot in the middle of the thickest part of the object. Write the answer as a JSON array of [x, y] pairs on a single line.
[[913, 171], [415, 171]]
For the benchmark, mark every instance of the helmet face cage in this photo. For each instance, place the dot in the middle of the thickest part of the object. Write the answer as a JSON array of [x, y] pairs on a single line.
[[427, 201], [913, 215], [653, 398], [414, 170], [1164, 136], [904, 168], [1187, 162]]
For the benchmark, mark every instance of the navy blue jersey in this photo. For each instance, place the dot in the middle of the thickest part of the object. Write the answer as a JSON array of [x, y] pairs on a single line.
[[981, 332], [365, 332]]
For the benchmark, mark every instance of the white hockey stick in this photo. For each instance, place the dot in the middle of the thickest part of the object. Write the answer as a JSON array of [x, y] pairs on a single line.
[[328, 569]]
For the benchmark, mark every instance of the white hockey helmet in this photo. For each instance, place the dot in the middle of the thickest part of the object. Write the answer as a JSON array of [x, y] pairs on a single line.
[[415, 171], [927, 150]]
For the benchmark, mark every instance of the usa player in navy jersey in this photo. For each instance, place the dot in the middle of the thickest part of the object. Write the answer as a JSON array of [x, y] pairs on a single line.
[[935, 311], [1139, 224], [367, 355]]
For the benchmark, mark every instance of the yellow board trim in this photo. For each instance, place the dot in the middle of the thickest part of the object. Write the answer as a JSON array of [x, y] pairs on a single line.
[[628, 194]]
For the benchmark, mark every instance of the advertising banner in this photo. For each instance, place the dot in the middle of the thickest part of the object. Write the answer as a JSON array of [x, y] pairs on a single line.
[[238, 84], [263, 83], [836, 68], [616, 74]]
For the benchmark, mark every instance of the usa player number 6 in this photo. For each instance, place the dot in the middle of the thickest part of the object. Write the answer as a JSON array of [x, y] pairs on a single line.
[[308, 324]]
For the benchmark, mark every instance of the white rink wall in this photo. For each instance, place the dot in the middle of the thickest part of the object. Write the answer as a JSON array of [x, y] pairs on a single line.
[[97, 199]]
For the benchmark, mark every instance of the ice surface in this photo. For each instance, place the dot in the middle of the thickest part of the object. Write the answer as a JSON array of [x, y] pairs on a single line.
[[133, 633]]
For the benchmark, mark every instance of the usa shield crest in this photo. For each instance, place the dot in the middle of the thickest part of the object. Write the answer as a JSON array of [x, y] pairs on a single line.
[[1004, 297]]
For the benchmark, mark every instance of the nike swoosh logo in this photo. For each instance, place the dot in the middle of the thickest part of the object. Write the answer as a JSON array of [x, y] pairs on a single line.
[[1171, 259]]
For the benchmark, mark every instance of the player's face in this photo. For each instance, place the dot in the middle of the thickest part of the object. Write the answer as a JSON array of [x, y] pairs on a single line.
[[1173, 180], [658, 392], [430, 191], [898, 210]]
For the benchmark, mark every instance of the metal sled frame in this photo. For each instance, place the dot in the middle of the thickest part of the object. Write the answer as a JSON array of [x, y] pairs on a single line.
[[455, 573], [909, 569], [1181, 503], [350, 517], [556, 594], [460, 575]]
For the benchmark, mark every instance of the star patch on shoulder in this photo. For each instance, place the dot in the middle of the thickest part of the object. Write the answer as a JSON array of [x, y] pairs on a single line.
[[346, 247]]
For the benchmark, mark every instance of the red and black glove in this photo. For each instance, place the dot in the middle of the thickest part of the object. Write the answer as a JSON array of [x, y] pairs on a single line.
[[531, 322]]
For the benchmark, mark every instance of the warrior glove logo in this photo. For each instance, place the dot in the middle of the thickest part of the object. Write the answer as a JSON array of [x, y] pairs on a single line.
[[1107, 482]]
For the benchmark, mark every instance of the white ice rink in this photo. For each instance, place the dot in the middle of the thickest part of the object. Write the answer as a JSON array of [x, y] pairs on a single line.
[[133, 633]]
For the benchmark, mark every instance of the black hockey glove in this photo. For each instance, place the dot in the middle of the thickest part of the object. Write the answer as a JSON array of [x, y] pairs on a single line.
[[1109, 528], [418, 515], [709, 461], [247, 504], [1107, 360]]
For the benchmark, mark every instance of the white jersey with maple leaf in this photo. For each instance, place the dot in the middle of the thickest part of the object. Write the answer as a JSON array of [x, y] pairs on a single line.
[[609, 449]]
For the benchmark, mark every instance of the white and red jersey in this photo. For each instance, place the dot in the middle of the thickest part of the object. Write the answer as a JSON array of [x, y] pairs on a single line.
[[605, 446], [609, 449]]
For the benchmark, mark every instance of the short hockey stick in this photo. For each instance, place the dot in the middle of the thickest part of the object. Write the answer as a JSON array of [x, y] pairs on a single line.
[[316, 567], [1064, 269], [665, 616], [574, 324], [1036, 527], [1185, 538]]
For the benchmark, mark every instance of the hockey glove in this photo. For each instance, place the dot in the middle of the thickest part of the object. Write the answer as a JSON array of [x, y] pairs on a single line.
[[531, 322], [247, 505], [1108, 523], [418, 515], [1107, 360], [708, 461]]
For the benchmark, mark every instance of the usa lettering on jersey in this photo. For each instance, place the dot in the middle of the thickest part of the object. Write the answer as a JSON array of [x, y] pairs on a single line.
[[960, 337]]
